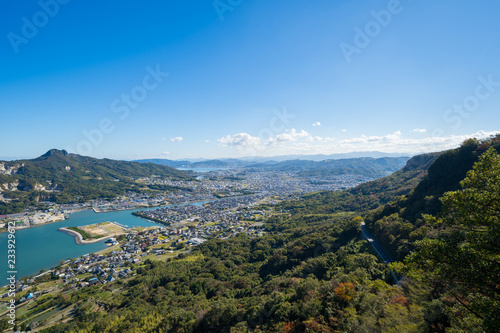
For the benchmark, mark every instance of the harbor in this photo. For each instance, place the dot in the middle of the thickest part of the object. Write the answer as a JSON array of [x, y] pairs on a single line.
[[45, 246]]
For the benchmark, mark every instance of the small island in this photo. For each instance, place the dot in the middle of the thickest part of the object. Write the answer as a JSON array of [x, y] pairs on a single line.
[[94, 233]]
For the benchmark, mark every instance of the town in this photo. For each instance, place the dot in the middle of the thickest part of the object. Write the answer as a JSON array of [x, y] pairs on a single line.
[[219, 204], [210, 186], [126, 254]]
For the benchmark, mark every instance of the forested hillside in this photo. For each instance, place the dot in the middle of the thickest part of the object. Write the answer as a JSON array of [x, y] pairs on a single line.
[[400, 223], [313, 272], [308, 274], [366, 196], [62, 177], [366, 166], [461, 263]]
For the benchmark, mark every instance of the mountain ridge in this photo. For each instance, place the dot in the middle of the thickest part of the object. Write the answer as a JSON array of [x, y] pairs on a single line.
[[366, 166], [62, 177], [399, 223], [279, 158]]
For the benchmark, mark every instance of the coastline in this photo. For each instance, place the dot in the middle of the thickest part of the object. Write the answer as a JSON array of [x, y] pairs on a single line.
[[41, 224], [82, 242], [99, 211], [79, 238], [118, 210], [150, 219]]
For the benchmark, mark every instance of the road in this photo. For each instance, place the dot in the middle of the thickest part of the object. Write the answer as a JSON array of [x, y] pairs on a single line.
[[386, 257]]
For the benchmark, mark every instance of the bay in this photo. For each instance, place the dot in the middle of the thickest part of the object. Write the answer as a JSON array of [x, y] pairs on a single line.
[[43, 247]]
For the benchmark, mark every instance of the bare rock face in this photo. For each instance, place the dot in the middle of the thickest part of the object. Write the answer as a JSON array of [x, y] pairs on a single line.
[[17, 185], [9, 186], [9, 170], [39, 187]]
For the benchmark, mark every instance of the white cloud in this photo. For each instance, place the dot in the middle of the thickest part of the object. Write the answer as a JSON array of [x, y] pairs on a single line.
[[301, 142], [317, 124], [293, 136], [344, 130], [320, 139], [165, 153], [373, 139], [289, 136], [419, 130], [207, 141], [240, 140], [395, 143], [280, 141], [177, 139], [164, 139]]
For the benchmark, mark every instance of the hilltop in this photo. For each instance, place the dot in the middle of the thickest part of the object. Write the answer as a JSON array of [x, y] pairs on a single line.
[[62, 177]]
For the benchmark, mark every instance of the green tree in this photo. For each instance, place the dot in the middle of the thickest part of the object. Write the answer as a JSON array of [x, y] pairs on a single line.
[[464, 260], [4, 324]]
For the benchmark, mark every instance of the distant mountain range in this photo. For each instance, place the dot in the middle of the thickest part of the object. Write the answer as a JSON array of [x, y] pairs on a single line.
[[64, 177], [366, 166], [225, 162], [222, 163], [316, 157]]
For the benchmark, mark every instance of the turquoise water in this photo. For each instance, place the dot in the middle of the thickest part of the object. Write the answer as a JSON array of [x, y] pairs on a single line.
[[44, 247]]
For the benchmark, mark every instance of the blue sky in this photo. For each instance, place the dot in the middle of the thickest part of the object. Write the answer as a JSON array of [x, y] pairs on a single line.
[[246, 78]]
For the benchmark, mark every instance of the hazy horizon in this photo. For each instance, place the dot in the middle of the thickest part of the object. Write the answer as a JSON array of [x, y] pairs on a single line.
[[363, 154]]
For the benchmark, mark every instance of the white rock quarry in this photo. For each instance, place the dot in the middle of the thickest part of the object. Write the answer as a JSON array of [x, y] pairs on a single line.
[[39, 187], [4, 199], [9, 186], [9, 170]]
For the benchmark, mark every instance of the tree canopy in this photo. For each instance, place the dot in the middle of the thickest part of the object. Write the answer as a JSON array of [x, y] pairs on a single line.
[[464, 259]]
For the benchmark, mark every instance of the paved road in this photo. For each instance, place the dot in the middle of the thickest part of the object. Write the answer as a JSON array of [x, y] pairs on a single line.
[[386, 257]]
